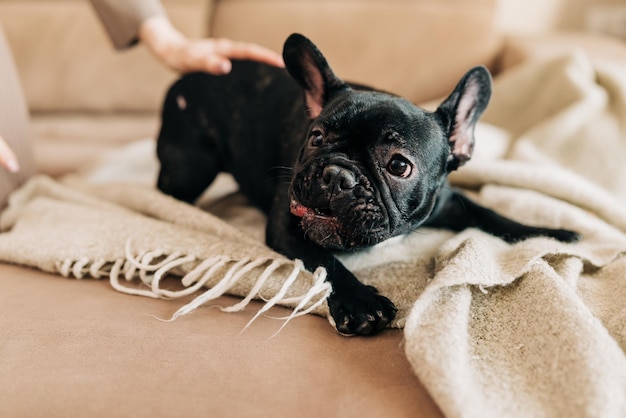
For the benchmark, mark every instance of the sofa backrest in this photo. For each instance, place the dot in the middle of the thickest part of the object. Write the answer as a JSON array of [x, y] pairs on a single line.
[[417, 48], [67, 63]]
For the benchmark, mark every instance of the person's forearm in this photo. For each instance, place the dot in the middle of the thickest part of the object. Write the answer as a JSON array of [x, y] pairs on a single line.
[[122, 19]]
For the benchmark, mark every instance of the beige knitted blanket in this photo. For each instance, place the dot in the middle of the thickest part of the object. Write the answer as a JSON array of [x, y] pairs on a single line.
[[535, 329]]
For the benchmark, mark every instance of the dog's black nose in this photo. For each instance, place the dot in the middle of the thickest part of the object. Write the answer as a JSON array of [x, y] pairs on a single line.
[[338, 177]]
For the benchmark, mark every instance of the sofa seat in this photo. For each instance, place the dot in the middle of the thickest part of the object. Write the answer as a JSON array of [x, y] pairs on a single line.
[[79, 348]]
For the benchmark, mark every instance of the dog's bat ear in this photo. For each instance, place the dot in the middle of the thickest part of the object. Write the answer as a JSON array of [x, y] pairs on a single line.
[[460, 112], [306, 64]]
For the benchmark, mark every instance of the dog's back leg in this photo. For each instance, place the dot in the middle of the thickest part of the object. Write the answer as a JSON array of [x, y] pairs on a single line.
[[458, 212]]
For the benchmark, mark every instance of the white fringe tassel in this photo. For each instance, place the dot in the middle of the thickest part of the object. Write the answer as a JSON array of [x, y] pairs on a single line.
[[151, 273]]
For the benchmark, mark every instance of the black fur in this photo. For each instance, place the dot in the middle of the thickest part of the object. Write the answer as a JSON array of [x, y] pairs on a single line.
[[365, 165]]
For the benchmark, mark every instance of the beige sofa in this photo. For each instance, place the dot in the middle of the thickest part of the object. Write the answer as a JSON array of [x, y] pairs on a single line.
[[79, 348]]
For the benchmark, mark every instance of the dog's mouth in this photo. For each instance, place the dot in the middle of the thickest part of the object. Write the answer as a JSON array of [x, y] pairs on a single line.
[[338, 207], [301, 211], [319, 225], [333, 231]]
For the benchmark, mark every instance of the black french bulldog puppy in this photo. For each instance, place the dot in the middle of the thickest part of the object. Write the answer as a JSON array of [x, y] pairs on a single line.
[[365, 165]]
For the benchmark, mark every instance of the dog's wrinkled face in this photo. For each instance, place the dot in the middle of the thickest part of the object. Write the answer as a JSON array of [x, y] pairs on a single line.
[[369, 169], [372, 163]]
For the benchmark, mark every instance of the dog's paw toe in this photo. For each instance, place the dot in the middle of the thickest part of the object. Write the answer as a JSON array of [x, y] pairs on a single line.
[[363, 313]]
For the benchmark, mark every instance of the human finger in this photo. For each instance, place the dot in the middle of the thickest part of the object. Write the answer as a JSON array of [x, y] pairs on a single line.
[[7, 157], [249, 51], [201, 57]]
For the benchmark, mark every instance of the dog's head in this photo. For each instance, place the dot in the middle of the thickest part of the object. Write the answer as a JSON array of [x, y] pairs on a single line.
[[372, 163]]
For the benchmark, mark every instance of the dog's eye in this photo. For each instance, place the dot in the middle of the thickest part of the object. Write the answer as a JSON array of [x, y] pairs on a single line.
[[316, 139], [399, 167]]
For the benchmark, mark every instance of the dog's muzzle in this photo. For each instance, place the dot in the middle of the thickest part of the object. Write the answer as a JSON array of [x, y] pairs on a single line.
[[338, 207]]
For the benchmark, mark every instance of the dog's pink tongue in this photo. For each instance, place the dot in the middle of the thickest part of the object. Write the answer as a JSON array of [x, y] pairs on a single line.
[[297, 209]]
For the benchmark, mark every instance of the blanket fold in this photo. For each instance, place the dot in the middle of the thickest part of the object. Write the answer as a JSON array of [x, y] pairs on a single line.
[[536, 328]]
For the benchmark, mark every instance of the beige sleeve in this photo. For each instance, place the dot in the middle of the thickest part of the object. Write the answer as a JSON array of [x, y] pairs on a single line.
[[122, 18], [14, 123]]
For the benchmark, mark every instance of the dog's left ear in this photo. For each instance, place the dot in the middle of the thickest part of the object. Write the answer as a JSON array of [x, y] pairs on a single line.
[[306, 64], [460, 112]]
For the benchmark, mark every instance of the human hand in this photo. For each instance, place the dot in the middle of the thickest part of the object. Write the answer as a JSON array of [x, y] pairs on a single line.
[[7, 158], [210, 55]]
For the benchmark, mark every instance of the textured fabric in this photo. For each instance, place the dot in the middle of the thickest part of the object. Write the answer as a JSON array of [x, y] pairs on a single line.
[[124, 232], [538, 328]]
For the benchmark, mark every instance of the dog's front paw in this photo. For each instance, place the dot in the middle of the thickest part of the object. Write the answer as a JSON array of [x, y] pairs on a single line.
[[361, 312]]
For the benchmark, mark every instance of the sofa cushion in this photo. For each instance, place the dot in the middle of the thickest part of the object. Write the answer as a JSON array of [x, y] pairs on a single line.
[[418, 49], [79, 348], [65, 142], [66, 62]]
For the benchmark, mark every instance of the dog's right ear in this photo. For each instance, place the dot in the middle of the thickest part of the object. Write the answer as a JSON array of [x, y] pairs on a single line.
[[460, 113], [306, 64]]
